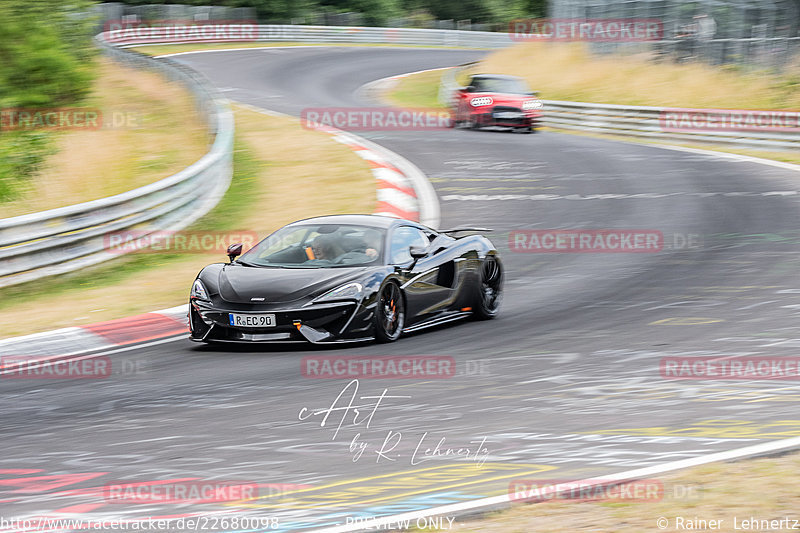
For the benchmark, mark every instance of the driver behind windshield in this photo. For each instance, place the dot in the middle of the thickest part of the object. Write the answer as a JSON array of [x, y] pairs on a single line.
[[322, 247], [347, 248]]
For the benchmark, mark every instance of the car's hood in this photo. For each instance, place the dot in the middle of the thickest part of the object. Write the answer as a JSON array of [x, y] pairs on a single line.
[[240, 284]]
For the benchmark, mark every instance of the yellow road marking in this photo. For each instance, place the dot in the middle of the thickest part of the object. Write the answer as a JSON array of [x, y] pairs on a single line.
[[366, 492]]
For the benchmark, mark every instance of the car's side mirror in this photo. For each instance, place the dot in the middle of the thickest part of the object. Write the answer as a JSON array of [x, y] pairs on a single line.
[[234, 250], [418, 252], [469, 89]]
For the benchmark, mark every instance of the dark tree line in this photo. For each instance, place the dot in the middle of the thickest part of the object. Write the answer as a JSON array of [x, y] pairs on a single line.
[[379, 12]]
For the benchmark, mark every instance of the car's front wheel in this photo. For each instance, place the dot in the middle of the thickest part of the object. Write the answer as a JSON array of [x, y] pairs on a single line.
[[390, 314], [489, 289]]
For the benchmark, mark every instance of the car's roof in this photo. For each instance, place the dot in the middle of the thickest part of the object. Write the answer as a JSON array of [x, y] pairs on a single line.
[[375, 221]]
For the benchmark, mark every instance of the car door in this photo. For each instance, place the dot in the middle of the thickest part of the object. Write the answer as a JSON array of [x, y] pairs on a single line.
[[428, 289]]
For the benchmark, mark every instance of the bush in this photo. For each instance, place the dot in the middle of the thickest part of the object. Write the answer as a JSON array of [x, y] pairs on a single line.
[[21, 156], [46, 55]]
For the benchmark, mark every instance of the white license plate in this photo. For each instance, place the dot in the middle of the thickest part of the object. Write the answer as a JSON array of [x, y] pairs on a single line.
[[251, 321], [508, 114]]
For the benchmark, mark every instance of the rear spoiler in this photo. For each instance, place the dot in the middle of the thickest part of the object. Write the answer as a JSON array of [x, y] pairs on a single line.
[[464, 228]]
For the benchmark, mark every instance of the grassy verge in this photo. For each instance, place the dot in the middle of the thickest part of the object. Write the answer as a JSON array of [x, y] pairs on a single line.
[[149, 131], [417, 90], [763, 488], [282, 173]]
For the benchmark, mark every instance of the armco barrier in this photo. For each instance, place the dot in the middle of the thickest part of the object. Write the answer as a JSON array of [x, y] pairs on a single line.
[[69, 238], [345, 34], [637, 121]]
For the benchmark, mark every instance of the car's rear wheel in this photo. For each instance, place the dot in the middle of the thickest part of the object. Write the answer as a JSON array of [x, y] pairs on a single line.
[[390, 313], [489, 289]]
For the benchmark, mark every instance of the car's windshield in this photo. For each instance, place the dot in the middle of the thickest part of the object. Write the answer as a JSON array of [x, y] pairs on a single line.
[[500, 85], [318, 246]]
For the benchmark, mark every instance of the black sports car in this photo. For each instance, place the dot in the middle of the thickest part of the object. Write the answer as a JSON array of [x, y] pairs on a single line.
[[346, 278]]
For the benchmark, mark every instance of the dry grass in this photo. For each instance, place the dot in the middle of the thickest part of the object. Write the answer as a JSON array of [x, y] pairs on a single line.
[[297, 174], [309, 174], [567, 71], [419, 90], [760, 488], [159, 135]]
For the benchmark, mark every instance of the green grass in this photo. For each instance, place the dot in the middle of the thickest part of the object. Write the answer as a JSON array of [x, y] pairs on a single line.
[[419, 90]]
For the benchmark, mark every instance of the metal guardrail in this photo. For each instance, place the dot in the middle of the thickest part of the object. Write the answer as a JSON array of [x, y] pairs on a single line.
[[347, 34], [69, 238], [636, 121], [645, 122]]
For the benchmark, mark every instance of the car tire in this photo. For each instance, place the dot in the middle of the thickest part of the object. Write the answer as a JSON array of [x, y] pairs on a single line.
[[390, 313], [489, 289]]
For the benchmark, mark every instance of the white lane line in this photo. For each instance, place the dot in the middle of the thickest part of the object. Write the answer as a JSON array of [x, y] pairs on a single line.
[[144, 440]]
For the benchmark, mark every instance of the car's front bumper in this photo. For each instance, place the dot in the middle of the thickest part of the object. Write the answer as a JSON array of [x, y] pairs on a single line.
[[510, 119], [318, 323]]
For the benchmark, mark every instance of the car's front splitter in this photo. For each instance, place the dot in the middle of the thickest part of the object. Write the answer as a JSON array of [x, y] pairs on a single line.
[[318, 324]]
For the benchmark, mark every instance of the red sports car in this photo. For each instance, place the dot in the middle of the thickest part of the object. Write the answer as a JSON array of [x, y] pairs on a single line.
[[497, 100]]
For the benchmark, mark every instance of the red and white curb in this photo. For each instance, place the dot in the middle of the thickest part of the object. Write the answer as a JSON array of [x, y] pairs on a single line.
[[65, 343]]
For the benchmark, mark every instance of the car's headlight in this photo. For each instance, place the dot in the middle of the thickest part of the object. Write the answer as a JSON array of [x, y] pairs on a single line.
[[348, 291], [481, 101], [528, 105], [199, 291]]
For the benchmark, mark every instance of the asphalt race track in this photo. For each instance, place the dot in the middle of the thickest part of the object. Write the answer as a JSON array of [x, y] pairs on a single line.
[[564, 385]]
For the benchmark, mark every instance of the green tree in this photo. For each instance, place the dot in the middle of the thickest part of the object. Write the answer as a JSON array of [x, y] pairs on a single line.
[[44, 53]]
